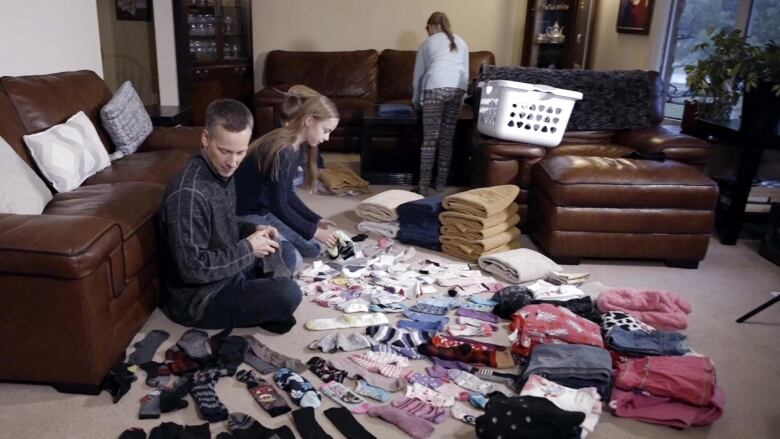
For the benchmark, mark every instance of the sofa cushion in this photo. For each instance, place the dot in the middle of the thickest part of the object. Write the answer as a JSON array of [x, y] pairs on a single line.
[[590, 149], [626, 183], [131, 205], [68, 153], [154, 167], [334, 74], [396, 71], [21, 190], [126, 120], [43, 101]]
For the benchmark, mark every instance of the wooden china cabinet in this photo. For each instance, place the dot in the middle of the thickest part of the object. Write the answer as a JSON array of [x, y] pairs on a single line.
[[558, 33], [213, 52]]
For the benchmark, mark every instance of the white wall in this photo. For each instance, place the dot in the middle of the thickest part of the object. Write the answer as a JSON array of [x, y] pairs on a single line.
[[617, 51], [166, 52], [48, 36], [330, 25]]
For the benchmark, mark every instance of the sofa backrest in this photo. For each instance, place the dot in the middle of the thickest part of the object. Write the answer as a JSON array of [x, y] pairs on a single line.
[[350, 74], [12, 129], [42, 101], [396, 71]]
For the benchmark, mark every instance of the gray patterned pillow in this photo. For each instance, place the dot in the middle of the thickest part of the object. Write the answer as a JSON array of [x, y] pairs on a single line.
[[126, 120]]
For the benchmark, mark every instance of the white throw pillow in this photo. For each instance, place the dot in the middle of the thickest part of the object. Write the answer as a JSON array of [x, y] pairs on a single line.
[[68, 153], [21, 190]]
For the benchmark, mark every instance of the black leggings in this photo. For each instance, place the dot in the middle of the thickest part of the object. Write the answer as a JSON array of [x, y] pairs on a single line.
[[252, 302]]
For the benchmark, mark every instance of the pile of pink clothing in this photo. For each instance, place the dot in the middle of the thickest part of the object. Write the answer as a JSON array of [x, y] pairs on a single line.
[[675, 391], [546, 323], [662, 310]]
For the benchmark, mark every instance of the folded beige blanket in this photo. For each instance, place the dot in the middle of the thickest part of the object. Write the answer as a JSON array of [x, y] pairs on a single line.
[[518, 266], [482, 202], [469, 254], [458, 229], [481, 246], [464, 221], [381, 207], [340, 180]]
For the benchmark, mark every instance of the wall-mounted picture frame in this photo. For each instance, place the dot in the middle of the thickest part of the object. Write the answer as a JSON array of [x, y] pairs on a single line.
[[134, 10], [634, 16]]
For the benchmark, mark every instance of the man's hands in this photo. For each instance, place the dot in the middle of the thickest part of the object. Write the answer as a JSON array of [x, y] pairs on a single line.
[[262, 241], [270, 230]]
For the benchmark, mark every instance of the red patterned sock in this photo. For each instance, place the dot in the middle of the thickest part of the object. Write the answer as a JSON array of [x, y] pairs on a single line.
[[178, 361]]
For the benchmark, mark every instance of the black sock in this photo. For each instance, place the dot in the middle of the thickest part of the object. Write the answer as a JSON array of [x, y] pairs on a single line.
[[279, 327], [172, 430], [118, 381], [244, 426], [133, 433], [342, 418], [229, 350], [157, 374], [307, 425], [173, 399]]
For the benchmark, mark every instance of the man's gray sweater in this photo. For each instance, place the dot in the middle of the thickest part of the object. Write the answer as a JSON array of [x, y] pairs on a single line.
[[203, 246]]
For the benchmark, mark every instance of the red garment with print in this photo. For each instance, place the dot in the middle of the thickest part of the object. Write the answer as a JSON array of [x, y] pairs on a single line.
[[546, 323]]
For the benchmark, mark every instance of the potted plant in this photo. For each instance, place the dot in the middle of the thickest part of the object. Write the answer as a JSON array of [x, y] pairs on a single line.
[[732, 67]]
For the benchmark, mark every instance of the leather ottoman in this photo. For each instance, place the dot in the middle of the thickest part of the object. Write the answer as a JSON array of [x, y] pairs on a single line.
[[621, 208]]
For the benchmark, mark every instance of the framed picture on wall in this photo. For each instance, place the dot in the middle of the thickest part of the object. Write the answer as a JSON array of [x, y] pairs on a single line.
[[634, 16], [135, 10]]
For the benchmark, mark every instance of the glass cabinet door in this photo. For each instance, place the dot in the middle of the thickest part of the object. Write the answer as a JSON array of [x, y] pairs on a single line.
[[557, 33]]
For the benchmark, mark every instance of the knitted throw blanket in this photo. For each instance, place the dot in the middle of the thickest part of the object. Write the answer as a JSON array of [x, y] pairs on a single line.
[[612, 100]]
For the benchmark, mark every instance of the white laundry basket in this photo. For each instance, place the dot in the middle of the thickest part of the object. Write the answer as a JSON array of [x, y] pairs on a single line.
[[520, 112]]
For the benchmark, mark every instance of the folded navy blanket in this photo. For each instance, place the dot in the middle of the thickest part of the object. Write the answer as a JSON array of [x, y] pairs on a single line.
[[424, 207], [423, 238], [386, 110]]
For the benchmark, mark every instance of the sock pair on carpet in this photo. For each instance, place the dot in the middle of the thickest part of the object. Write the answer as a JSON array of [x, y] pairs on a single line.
[[264, 393]]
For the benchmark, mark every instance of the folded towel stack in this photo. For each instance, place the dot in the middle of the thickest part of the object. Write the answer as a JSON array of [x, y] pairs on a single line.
[[419, 222], [480, 221], [341, 180], [379, 212]]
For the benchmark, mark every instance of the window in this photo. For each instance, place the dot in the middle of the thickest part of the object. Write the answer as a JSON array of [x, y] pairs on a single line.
[[691, 21]]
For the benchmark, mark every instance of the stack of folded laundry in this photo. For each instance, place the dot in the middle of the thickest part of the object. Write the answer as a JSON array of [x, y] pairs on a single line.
[[418, 222], [480, 221], [519, 265], [379, 212], [341, 180]]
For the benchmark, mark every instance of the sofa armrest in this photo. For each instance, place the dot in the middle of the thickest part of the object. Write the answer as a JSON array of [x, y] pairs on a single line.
[[59, 246], [676, 146], [504, 162], [181, 137]]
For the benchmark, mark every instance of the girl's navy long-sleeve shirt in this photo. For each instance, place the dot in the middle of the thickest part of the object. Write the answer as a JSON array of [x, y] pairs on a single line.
[[260, 194]]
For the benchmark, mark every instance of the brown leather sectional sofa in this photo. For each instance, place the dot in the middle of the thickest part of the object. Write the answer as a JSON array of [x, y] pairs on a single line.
[[355, 80], [506, 162], [78, 281]]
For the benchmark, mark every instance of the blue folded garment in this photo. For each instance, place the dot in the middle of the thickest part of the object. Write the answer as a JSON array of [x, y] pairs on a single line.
[[640, 342], [427, 207], [386, 110]]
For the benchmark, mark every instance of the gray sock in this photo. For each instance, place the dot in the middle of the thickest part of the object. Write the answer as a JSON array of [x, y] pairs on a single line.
[[145, 349], [268, 355], [326, 344], [259, 365], [353, 342], [150, 405], [195, 343]]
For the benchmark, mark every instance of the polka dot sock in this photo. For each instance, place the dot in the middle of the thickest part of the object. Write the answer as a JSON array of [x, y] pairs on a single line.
[[345, 397]]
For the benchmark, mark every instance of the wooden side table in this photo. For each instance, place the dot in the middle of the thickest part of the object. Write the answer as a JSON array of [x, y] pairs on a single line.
[[169, 115]]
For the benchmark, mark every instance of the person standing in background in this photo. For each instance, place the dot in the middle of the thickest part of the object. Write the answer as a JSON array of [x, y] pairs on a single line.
[[441, 72]]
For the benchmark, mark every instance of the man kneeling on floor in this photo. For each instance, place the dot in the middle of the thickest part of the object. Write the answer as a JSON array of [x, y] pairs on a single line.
[[217, 272]]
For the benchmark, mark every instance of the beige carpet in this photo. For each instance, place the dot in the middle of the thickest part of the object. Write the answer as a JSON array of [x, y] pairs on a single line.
[[729, 282]]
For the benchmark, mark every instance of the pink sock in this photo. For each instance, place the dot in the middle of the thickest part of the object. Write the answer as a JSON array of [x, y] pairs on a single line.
[[415, 427]]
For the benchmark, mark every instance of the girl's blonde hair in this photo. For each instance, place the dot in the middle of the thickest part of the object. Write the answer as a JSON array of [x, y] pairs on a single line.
[[440, 19], [270, 146]]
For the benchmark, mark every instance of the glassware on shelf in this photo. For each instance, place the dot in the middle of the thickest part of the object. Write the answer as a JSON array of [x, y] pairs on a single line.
[[227, 23]]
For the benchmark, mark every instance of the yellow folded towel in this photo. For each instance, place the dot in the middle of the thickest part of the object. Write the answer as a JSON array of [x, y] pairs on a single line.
[[476, 234], [468, 254], [381, 207], [482, 202], [481, 246], [464, 221], [341, 180]]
